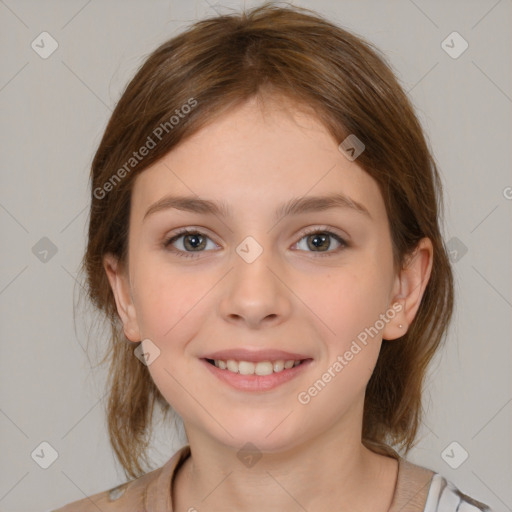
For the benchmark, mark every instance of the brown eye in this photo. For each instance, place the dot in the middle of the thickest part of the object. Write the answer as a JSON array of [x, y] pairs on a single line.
[[194, 242], [321, 242], [188, 242]]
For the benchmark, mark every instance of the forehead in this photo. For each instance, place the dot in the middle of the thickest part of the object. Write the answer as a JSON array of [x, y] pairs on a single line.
[[256, 154]]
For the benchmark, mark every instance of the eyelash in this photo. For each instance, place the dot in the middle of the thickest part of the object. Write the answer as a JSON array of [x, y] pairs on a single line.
[[190, 254]]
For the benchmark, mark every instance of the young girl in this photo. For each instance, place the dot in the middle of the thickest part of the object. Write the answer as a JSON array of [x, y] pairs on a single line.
[[264, 238]]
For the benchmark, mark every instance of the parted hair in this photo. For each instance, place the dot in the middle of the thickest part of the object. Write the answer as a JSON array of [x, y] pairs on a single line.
[[217, 64]]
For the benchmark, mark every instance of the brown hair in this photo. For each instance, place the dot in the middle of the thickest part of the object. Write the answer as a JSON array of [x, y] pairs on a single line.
[[219, 63]]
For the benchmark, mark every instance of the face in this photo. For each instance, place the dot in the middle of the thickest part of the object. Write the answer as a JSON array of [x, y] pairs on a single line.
[[270, 275]]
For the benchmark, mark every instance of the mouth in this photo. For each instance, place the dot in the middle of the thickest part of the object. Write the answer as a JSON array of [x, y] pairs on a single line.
[[261, 368], [245, 375]]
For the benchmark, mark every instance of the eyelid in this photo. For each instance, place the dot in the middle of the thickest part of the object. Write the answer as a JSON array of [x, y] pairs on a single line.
[[325, 228]]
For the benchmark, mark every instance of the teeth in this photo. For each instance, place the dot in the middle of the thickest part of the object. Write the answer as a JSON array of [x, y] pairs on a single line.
[[278, 366], [259, 368]]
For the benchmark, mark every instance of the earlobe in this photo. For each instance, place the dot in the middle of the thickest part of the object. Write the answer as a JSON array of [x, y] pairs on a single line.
[[410, 287], [119, 283]]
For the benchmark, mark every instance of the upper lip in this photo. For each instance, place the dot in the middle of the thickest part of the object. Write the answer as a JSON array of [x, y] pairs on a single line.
[[242, 354]]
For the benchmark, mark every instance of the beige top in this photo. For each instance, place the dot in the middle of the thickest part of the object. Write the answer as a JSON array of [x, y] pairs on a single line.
[[152, 491]]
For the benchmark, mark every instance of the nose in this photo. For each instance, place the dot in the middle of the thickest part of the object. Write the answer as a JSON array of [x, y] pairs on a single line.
[[256, 295]]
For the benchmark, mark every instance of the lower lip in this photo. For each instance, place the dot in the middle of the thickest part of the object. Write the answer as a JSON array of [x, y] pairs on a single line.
[[257, 382]]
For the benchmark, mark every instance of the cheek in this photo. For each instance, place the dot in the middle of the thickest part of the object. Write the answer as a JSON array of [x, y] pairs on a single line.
[[169, 307], [167, 300], [350, 306], [348, 301]]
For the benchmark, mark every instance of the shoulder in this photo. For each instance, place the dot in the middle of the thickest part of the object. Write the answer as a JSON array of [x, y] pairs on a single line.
[[126, 497], [443, 496], [420, 489], [411, 488], [151, 491]]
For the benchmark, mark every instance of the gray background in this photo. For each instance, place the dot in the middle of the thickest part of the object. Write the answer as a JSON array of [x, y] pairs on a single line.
[[54, 111]]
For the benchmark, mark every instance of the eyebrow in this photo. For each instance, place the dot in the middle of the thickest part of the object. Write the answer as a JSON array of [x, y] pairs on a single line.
[[293, 207]]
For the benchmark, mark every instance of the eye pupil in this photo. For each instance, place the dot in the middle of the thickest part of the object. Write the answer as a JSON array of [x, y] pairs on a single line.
[[195, 242], [319, 239]]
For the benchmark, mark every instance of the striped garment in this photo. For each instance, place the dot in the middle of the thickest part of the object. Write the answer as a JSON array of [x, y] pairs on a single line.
[[443, 496]]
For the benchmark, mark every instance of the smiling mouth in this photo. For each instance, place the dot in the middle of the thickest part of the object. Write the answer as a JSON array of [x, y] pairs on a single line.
[[261, 368]]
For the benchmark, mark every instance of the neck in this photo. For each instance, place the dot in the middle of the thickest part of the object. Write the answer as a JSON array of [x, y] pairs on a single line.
[[328, 473]]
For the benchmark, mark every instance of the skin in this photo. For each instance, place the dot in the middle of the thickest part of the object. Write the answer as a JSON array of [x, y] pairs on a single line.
[[292, 297]]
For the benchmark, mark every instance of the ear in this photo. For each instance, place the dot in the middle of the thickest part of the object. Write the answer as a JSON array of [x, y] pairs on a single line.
[[408, 290], [120, 284]]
